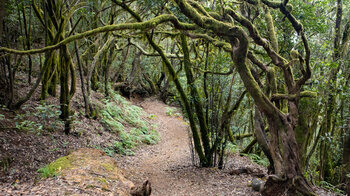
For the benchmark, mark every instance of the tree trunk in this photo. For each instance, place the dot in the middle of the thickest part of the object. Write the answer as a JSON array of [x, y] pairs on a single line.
[[346, 157], [2, 14], [119, 76], [88, 107], [325, 156], [197, 102], [64, 92]]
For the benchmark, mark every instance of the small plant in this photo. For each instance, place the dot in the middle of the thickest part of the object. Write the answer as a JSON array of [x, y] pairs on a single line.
[[28, 125], [169, 111], [151, 138], [2, 117], [232, 148], [124, 148], [47, 117], [330, 187], [3, 107], [177, 114], [172, 112], [47, 172], [257, 159], [65, 144], [108, 150], [152, 116]]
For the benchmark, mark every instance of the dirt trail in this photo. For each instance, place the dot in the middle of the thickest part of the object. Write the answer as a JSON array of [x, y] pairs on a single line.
[[169, 167]]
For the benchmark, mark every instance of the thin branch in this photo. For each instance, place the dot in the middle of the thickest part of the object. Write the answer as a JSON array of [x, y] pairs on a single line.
[[144, 52], [277, 97]]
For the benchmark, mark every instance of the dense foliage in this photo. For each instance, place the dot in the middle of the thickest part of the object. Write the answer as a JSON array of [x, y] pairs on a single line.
[[269, 77]]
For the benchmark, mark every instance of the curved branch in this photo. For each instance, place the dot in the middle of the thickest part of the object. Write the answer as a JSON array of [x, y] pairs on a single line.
[[226, 46], [144, 52], [150, 24], [276, 58], [178, 85], [256, 61], [238, 39], [277, 96]]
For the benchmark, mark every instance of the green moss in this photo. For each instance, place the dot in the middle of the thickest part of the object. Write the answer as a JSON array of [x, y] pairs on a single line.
[[118, 27], [308, 94], [55, 167], [91, 186], [102, 180], [108, 166]]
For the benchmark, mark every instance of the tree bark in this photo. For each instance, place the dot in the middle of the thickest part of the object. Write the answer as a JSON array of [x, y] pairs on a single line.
[[346, 157], [88, 107], [2, 14], [287, 164]]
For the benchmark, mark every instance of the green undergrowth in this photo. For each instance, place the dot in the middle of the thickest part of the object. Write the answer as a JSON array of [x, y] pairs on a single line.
[[43, 117], [261, 160], [118, 115], [257, 159]]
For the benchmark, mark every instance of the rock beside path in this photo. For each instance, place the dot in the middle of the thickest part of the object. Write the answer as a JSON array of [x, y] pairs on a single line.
[[86, 171]]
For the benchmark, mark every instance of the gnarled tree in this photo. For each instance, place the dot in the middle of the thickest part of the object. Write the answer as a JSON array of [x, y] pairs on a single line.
[[233, 30], [282, 145]]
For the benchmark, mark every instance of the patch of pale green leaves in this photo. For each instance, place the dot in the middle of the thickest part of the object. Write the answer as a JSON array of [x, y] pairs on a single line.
[[2, 117], [257, 159], [47, 118], [118, 112], [330, 187]]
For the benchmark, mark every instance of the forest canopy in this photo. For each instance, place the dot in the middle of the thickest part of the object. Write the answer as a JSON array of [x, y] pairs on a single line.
[[271, 73]]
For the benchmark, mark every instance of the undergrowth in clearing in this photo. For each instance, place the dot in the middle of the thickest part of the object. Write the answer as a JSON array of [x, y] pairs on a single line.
[[118, 112]]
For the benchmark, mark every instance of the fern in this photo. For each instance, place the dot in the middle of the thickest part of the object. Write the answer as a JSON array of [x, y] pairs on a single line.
[[116, 112]]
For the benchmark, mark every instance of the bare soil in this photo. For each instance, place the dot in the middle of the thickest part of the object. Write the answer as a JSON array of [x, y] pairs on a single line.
[[168, 164]]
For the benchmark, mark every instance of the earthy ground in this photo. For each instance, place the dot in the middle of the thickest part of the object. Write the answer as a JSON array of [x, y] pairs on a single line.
[[168, 164], [169, 167]]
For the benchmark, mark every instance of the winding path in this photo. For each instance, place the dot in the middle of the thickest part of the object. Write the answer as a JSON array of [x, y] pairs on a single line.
[[168, 164]]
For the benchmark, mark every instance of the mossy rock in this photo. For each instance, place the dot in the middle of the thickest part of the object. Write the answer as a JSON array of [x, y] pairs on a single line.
[[92, 170]]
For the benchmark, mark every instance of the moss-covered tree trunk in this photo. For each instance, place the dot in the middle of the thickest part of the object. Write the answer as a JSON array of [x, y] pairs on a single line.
[[2, 14], [289, 178], [52, 36], [346, 157], [120, 75], [197, 102], [64, 92], [89, 111], [341, 41], [174, 77], [27, 32]]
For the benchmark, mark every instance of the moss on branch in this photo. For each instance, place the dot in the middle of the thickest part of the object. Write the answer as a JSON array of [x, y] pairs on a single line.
[[292, 97], [144, 52], [143, 26], [254, 34]]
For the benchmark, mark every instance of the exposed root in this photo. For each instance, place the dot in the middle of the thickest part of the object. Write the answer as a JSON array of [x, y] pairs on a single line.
[[287, 187]]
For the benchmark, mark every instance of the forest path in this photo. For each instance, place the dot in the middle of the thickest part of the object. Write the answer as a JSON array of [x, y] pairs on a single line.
[[168, 166]]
